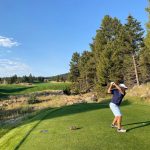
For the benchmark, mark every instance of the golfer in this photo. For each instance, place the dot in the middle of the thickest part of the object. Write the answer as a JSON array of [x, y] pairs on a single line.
[[118, 91]]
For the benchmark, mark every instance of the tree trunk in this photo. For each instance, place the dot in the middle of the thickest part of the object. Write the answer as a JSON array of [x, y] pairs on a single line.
[[86, 82], [135, 68]]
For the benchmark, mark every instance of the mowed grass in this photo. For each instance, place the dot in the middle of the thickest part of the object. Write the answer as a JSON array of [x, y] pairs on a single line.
[[7, 90], [50, 130]]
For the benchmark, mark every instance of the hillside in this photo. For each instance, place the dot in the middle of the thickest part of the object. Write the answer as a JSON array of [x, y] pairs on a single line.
[[60, 76]]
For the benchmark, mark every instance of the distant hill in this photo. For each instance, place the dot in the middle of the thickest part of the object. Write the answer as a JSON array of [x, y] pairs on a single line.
[[59, 77]]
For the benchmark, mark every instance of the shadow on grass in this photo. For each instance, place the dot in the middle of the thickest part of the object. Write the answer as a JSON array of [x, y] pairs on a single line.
[[5, 93], [84, 107], [139, 125]]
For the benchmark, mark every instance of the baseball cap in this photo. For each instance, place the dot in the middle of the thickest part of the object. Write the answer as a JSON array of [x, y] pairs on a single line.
[[123, 86]]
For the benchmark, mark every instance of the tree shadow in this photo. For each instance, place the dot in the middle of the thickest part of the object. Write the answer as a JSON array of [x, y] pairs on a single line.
[[126, 102], [140, 125], [5, 93], [84, 107], [76, 108]]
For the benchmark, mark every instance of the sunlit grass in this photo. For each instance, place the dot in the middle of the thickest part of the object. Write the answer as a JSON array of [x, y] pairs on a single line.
[[7, 90]]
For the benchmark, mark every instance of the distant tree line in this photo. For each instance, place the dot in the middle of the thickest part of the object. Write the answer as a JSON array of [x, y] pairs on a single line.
[[24, 79], [119, 52], [32, 79]]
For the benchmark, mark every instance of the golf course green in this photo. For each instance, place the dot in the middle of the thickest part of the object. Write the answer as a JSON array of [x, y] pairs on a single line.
[[52, 129], [14, 89]]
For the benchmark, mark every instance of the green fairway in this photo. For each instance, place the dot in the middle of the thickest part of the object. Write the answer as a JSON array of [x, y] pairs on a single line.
[[50, 130], [7, 90]]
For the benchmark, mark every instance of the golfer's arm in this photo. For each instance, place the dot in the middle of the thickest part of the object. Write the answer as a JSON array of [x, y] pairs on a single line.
[[109, 89], [119, 89]]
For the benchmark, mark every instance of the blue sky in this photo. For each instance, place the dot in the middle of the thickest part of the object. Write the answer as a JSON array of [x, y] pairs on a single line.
[[39, 37]]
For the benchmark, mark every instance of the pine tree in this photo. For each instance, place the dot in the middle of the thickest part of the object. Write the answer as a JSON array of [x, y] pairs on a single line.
[[74, 67], [108, 51], [145, 53], [134, 43], [25, 79], [147, 39], [145, 64], [30, 78], [58, 78], [87, 71], [13, 79]]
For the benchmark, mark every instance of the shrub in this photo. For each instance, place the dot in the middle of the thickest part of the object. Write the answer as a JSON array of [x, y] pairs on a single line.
[[67, 91], [26, 109], [75, 88], [33, 99]]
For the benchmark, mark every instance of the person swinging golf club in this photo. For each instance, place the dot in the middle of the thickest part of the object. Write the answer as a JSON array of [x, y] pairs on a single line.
[[118, 92]]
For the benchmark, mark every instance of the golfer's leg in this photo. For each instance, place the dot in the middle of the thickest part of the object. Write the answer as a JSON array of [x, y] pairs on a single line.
[[119, 122], [115, 121]]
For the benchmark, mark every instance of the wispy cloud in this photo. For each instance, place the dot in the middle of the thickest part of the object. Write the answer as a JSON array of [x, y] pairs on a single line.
[[10, 67], [4, 52], [8, 42]]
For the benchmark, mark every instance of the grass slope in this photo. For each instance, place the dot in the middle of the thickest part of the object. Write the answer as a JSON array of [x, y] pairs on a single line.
[[94, 131]]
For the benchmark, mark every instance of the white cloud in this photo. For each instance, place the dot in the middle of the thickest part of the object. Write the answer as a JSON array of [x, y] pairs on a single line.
[[10, 67], [8, 42]]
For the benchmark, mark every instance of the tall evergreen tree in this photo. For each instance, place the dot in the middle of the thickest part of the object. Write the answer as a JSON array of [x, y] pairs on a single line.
[[13, 79], [30, 78], [144, 61], [134, 43], [145, 53], [147, 39], [87, 71], [74, 67], [108, 51]]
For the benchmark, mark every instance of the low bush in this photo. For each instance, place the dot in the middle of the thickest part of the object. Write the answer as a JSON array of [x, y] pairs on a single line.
[[67, 91], [33, 99]]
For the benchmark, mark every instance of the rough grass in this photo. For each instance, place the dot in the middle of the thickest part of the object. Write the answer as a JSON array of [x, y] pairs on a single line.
[[7, 90], [51, 129], [142, 91], [139, 94]]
